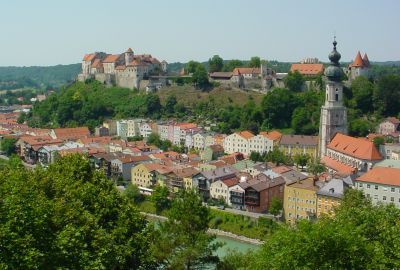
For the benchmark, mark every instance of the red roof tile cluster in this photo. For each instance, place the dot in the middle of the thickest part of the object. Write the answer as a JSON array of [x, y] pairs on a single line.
[[307, 69], [245, 134], [71, 133], [245, 70], [340, 168], [382, 175], [272, 135], [354, 147]]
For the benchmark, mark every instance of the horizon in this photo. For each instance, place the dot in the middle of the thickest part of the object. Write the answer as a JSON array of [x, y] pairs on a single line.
[[171, 32]]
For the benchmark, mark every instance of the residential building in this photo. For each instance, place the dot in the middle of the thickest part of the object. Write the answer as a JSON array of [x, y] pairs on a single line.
[[292, 145], [389, 150], [101, 131], [260, 191], [300, 200], [381, 184], [390, 126], [206, 178], [274, 136], [149, 174], [330, 195], [212, 152], [220, 189], [333, 113], [112, 127], [122, 166]]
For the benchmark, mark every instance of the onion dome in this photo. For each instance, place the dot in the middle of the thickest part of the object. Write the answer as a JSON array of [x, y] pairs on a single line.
[[334, 72]]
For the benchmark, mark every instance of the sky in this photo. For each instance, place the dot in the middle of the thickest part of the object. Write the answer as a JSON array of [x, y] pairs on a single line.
[[50, 32]]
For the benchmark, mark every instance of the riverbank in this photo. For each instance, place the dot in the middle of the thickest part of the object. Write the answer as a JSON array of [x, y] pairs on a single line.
[[217, 232]]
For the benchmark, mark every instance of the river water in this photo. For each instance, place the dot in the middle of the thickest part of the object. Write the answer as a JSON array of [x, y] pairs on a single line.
[[233, 245]]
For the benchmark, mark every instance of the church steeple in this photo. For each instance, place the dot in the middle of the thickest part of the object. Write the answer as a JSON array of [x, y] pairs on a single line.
[[333, 113]]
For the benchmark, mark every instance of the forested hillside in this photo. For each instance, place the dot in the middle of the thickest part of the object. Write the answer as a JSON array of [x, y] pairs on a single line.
[[35, 76]]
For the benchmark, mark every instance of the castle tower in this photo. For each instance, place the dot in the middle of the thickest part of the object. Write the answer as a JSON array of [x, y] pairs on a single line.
[[128, 56], [333, 113]]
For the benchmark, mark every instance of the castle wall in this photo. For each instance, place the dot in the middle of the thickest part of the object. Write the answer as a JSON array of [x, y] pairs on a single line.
[[123, 80], [107, 79]]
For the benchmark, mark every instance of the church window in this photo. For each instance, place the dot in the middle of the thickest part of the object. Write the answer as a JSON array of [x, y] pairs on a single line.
[[337, 97]]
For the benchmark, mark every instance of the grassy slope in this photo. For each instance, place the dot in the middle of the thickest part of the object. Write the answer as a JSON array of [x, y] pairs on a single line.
[[188, 95]]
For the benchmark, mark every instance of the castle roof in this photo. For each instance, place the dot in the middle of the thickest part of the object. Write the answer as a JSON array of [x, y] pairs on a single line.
[[355, 147], [358, 61], [97, 63], [89, 57], [307, 69], [111, 58], [129, 50], [366, 60]]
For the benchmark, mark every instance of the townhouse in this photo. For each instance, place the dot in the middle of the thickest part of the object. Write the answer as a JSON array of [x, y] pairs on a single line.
[[292, 145], [330, 195]]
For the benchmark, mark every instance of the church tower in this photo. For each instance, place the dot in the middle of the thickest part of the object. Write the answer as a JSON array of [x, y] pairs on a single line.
[[333, 113]]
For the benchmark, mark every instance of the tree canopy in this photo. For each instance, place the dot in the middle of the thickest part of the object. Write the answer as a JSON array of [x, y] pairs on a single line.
[[215, 63], [68, 216]]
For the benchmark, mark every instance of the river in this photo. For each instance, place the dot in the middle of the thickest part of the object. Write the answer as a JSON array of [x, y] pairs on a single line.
[[233, 245]]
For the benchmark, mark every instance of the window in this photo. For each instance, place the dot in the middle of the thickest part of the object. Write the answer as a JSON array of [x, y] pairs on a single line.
[[384, 198], [368, 186], [336, 97], [360, 184], [376, 187], [392, 199], [392, 189]]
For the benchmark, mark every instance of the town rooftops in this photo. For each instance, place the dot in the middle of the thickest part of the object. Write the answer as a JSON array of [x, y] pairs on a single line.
[[307, 69], [341, 168], [356, 147], [293, 176], [186, 172], [262, 185], [299, 140], [381, 175], [230, 182], [334, 188], [162, 169], [220, 172], [281, 169]]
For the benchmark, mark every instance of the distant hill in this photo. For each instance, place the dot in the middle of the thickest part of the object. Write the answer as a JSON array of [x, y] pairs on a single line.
[[36, 76]]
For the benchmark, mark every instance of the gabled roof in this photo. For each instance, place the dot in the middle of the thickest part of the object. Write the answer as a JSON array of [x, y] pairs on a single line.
[[341, 168], [356, 147], [186, 172], [307, 69], [89, 57], [299, 140], [245, 134], [71, 133], [272, 135], [111, 58], [382, 175], [334, 188]]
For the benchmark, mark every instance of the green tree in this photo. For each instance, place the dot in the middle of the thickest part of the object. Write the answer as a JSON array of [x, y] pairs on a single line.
[[255, 62], [386, 97], [378, 141], [160, 198], [170, 104], [362, 91], [8, 146], [191, 66], [255, 156], [182, 242], [200, 77], [359, 236], [276, 206], [21, 118], [154, 139], [301, 160], [277, 156], [230, 65], [68, 217], [215, 63], [359, 127], [294, 81], [315, 167], [132, 192]]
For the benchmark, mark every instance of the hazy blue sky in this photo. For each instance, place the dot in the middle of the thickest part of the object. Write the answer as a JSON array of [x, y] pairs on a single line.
[[48, 32]]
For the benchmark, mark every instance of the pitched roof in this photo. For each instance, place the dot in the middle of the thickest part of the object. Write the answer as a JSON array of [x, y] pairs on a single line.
[[89, 57], [186, 172], [299, 140], [111, 58], [366, 60], [221, 75], [231, 181], [393, 120], [307, 69], [246, 70], [355, 147], [262, 185], [307, 183], [293, 176], [334, 188], [358, 62], [341, 168], [245, 134], [97, 63], [71, 133], [281, 169], [162, 169], [382, 175], [272, 135]]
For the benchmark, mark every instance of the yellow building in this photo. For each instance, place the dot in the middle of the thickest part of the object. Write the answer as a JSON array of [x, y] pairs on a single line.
[[300, 200], [299, 144], [148, 174], [330, 196]]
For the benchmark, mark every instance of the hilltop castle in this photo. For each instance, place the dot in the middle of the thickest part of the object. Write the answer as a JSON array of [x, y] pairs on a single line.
[[124, 70]]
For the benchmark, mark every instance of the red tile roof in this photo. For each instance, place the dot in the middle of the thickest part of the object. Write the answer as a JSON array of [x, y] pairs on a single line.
[[245, 134], [272, 135], [354, 147], [245, 70], [307, 69], [231, 181], [382, 175], [111, 58], [71, 133], [340, 168], [89, 57]]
